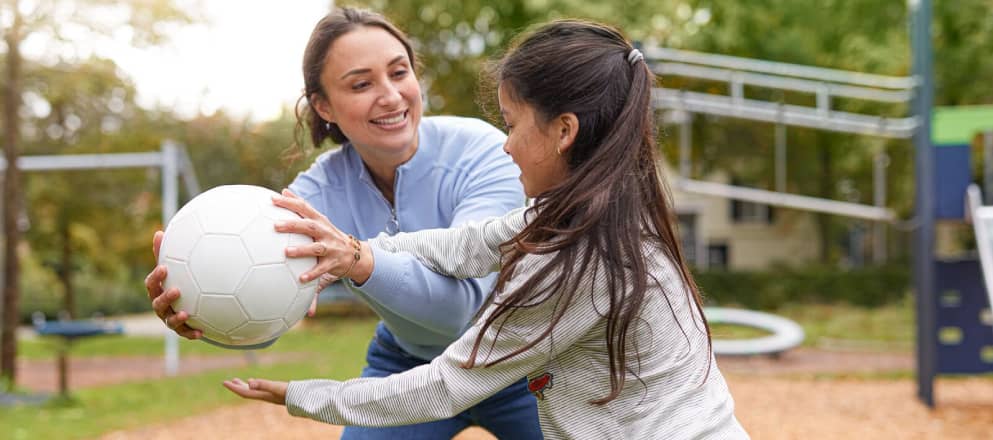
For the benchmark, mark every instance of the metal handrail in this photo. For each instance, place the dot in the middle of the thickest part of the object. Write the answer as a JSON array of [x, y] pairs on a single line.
[[773, 198], [780, 82], [782, 69], [773, 112]]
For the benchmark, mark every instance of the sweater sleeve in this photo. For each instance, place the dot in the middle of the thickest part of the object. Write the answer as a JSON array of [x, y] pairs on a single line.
[[404, 290], [444, 388], [472, 250]]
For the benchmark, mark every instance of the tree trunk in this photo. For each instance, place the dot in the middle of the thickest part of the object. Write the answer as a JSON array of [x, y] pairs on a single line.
[[11, 201]]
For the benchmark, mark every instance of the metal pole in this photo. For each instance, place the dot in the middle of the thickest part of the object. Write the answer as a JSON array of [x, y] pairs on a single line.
[[923, 242], [781, 157], [988, 168], [824, 100], [879, 162], [170, 202], [685, 144], [702, 258]]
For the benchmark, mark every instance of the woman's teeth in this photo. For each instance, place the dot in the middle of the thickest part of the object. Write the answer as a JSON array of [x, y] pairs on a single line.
[[390, 121]]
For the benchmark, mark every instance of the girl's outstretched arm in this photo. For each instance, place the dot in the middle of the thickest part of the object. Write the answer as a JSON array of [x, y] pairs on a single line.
[[469, 251], [444, 388]]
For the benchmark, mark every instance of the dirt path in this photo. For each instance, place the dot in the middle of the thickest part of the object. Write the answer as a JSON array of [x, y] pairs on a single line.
[[250, 421], [96, 371], [773, 408], [775, 399], [769, 408]]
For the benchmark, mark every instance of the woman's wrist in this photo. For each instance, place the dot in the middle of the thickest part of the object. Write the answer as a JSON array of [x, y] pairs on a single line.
[[364, 265]]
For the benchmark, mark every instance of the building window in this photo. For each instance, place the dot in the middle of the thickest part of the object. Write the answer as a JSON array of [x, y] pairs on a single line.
[[687, 236], [717, 256], [749, 212]]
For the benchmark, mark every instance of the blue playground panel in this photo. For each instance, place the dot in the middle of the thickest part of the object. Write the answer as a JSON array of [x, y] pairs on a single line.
[[951, 166], [964, 321], [78, 329]]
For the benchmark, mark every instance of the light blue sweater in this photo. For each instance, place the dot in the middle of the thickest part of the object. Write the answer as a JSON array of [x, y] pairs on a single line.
[[458, 174]]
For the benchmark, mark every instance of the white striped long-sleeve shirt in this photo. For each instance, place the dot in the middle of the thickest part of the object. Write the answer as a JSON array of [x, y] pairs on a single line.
[[674, 396]]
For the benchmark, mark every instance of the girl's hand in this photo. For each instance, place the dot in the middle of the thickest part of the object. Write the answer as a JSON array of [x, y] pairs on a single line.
[[333, 249], [259, 389]]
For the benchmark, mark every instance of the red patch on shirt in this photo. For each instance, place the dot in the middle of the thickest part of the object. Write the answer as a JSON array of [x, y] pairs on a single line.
[[538, 384]]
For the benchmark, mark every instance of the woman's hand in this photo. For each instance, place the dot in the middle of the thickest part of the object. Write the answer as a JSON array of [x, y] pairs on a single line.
[[333, 249], [162, 301], [259, 389]]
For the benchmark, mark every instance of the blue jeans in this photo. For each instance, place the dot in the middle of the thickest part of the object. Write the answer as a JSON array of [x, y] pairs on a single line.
[[512, 413]]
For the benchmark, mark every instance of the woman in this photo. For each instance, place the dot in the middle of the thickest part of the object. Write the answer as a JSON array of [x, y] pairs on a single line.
[[594, 301], [397, 171]]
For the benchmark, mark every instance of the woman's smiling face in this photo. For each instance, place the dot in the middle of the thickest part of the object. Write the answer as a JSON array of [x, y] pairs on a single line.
[[371, 91]]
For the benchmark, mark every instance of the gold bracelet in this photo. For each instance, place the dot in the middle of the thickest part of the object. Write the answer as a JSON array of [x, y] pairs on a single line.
[[357, 245]]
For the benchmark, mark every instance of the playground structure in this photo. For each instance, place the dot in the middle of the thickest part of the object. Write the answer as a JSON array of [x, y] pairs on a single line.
[[785, 334], [68, 332], [962, 321], [953, 334], [174, 163], [680, 106]]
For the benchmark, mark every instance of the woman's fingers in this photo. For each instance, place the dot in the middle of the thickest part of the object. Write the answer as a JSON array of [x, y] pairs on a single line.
[[157, 243], [296, 204], [312, 310], [319, 229], [162, 304], [153, 282], [188, 332], [324, 266], [324, 281], [177, 322]]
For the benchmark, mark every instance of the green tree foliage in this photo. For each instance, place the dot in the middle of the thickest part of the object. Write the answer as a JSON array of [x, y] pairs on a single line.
[[52, 102], [454, 39]]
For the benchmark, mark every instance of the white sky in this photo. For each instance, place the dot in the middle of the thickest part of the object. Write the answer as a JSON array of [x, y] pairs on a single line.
[[245, 59]]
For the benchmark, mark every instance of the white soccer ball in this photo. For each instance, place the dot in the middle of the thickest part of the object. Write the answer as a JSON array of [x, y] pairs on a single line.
[[230, 266]]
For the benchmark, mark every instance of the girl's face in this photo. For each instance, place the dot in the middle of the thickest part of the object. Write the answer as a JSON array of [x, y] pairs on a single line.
[[372, 93], [535, 147]]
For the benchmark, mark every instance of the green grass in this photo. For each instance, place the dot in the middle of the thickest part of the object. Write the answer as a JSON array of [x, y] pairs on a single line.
[[45, 348], [299, 341], [886, 328], [732, 331], [335, 349]]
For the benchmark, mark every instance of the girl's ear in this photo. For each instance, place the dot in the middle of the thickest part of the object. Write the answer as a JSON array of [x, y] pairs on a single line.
[[322, 107], [567, 127]]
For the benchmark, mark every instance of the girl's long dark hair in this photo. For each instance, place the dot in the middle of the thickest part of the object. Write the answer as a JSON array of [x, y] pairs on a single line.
[[613, 205]]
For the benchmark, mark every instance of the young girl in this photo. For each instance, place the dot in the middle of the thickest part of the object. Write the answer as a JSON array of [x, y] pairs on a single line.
[[593, 303]]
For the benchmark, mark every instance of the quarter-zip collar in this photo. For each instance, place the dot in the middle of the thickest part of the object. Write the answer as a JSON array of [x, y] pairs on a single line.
[[407, 174]]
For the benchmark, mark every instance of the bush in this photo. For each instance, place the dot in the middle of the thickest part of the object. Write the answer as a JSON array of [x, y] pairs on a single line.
[[769, 289], [41, 291]]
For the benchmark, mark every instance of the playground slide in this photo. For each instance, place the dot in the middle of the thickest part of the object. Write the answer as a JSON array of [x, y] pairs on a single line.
[[982, 223]]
